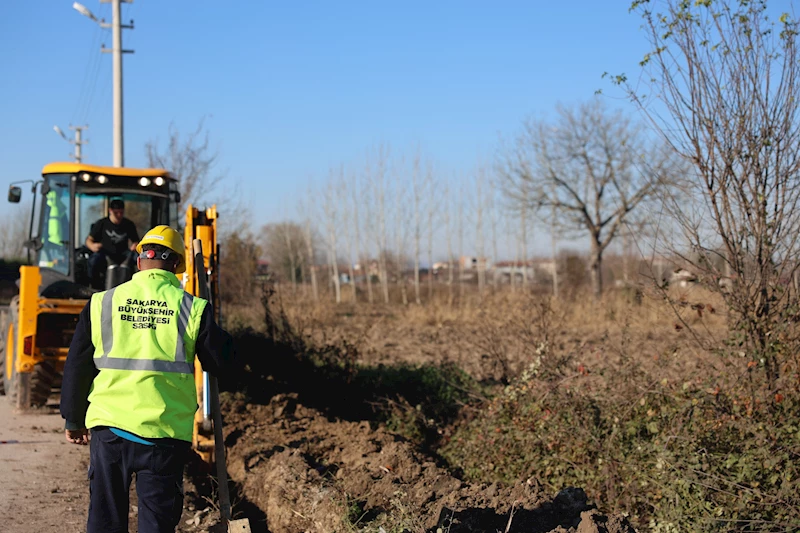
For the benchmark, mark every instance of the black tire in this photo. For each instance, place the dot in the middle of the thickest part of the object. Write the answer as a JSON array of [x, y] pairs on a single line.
[[3, 333], [21, 390], [10, 341], [41, 383], [27, 389]]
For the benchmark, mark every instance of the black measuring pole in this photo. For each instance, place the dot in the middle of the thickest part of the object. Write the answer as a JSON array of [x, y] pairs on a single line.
[[213, 394]]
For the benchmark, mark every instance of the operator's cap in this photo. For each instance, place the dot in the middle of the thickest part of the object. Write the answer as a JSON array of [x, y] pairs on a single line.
[[116, 203]]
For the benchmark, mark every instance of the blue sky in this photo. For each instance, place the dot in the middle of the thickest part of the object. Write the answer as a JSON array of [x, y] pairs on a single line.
[[294, 88]]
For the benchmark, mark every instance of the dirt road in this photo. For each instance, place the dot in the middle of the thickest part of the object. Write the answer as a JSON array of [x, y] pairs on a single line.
[[44, 486]]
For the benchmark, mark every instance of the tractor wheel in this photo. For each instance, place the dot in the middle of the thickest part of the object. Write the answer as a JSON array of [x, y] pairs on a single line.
[[25, 389], [9, 350], [41, 383], [21, 395], [3, 332]]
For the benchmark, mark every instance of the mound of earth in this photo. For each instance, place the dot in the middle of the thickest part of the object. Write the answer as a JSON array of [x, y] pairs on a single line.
[[304, 472]]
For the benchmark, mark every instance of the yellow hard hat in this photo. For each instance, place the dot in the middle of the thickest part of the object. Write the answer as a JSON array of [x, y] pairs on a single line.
[[168, 237]]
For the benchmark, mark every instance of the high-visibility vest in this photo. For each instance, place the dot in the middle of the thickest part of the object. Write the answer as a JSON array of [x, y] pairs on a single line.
[[144, 334], [55, 219]]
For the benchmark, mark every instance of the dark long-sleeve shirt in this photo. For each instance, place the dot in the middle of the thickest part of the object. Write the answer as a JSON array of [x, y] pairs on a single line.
[[214, 349]]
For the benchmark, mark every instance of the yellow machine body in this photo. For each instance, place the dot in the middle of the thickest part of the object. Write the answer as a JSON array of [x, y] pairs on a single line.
[[202, 224], [37, 328]]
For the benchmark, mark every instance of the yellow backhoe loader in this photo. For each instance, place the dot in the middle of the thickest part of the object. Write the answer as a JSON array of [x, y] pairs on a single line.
[[55, 285]]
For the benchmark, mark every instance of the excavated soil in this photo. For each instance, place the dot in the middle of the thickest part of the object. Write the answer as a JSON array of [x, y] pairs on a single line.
[[296, 470], [308, 450]]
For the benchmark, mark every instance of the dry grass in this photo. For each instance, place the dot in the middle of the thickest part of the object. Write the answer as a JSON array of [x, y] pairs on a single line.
[[467, 331], [637, 397]]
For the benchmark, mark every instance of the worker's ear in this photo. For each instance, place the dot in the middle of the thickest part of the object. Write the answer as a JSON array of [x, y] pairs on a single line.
[[138, 263]]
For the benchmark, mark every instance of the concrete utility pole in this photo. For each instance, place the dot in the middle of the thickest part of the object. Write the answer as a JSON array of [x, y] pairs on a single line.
[[116, 50], [78, 141]]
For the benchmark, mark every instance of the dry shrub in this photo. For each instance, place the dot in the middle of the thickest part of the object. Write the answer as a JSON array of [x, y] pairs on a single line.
[[242, 315], [238, 268], [705, 446], [514, 337]]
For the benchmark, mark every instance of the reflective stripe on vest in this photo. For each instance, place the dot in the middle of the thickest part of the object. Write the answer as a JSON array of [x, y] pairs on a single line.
[[179, 366]]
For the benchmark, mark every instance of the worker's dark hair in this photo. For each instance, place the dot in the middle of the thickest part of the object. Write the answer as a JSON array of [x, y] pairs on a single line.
[[116, 203]]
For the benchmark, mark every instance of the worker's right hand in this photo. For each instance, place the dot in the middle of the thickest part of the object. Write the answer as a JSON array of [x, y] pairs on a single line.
[[77, 436], [94, 246]]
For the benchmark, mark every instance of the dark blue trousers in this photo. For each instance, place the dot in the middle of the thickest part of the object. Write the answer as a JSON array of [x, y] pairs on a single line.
[[159, 483]]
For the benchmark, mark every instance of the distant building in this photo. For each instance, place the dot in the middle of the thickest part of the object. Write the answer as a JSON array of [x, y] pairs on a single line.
[[682, 278], [262, 270], [468, 263], [513, 271], [439, 266], [535, 270]]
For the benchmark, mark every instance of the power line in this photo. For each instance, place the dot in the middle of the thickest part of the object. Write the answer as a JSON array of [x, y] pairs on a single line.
[[116, 52], [92, 88], [87, 107], [90, 66]]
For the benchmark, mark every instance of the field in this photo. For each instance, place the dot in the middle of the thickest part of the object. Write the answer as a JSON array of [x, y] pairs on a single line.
[[514, 413]]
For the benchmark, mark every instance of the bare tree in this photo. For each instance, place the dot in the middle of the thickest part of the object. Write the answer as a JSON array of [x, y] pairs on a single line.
[[347, 227], [523, 231], [307, 208], [238, 266], [310, 258], [15, 233], [432, 204], [554, 245], [518, 226], [626, 252], [283, 245], [448, 216], [376, 172], [369, 229], [400, 225], [417, 191], [295, 257], [355, 198], [332, 227], [480, 234], [586, 167], [460, 230], [510, 229], [491, 205], [190, 159], [723, 82]]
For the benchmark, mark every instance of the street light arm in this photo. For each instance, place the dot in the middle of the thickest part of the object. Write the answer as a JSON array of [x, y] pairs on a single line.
[[58, 130], [83, 10]]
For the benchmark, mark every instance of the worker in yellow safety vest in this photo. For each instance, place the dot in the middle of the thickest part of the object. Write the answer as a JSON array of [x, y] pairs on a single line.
[[54, 245], [129, 379]]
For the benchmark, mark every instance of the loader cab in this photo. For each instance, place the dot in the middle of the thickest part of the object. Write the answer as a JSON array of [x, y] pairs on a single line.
[[70, 198]]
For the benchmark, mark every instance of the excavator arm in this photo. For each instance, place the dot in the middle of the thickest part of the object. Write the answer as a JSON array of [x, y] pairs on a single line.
[[202, 224]]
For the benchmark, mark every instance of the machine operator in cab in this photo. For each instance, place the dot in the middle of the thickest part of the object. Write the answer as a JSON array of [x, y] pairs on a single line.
[[113, 238]]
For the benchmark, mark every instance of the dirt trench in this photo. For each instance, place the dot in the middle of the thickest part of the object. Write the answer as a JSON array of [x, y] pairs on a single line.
[[297, 471]]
